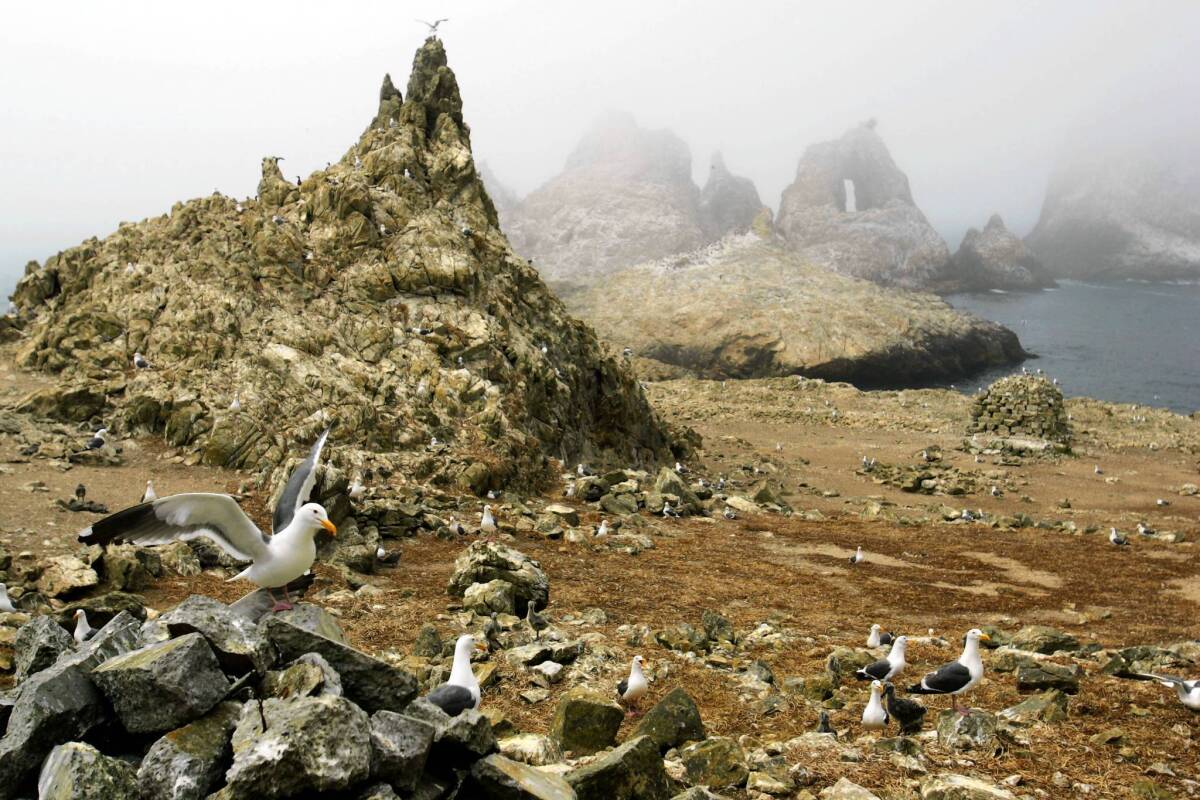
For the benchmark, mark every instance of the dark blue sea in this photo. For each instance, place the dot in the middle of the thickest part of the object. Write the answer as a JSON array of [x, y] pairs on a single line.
[[1125, 342]]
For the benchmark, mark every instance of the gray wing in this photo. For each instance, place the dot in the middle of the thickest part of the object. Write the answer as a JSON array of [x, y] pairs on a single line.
[[452, 699], [300, 483], [181, 517], [876, 671], [949, 678]]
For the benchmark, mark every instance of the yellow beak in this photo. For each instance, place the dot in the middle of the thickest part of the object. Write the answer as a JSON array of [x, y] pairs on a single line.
[[329, 526], [983, 637], [481, 647]]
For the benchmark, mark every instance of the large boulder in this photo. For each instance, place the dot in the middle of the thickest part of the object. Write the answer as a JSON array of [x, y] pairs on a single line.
[[1044, 675], [493, 597], [485, 561], [585, 721], [189, 762], [850, 210], [286, 748], [672, 721], [458, 741], [162, 686], [367, 681], [975, 730], [78, 771], [728, 203], [64, 576], [237, 642], [1049, 706], [500, 778], [995, 258], [399, 748], [39, 643], [633, 771], [717, 762]]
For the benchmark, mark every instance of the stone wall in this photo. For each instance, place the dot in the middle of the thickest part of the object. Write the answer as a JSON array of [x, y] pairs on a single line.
[[1021, 405]]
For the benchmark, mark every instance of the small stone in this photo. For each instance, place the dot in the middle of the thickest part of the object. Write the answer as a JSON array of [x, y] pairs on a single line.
[[1042, 676], [1044, 639], [1050, 706], [845, 789], [547, 673], [499, 778], [310, 675], [493, 597], [530, 748], [961, 787], [457, 741], [973, 730], [672, 721], [428, 643], [487, 561], [1109, 736], [717, 762]]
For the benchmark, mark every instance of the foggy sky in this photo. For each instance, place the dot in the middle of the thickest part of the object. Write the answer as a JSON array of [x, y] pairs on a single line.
[[112, 111]]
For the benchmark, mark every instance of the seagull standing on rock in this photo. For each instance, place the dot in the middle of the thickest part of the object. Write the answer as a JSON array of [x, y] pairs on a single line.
[[140, 361], [82, 629], [98, 440], [275, 560], [357, 490], [487, 523], [957, 677], [634, 688], [461, 692]]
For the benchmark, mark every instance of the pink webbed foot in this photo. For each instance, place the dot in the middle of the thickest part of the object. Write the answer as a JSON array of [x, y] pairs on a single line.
[[281, 607]]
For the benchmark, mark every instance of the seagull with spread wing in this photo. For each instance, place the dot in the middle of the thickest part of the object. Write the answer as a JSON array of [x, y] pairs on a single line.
[[276, 560], [433, 26], [1188, 691]]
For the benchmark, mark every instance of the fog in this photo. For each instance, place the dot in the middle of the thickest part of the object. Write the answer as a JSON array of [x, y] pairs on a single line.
[[112, 111]]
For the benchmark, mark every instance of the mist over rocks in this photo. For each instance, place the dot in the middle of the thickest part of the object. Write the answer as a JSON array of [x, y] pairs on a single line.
[[625, 195], [850, 210], [996, 258], [378, 295], [1128, 214]]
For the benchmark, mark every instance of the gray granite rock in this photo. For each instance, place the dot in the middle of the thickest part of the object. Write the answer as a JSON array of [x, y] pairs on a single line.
[[189, 762], [39, 643], [500, 778], [487, 561], [399, 748], [457, 741], [236, 641], [78, 771], [633, 771]]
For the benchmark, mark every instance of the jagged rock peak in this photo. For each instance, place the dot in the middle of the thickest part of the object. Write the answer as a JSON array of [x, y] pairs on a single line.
[[728, 203], [995, 258], [379, 296], [388, 90]]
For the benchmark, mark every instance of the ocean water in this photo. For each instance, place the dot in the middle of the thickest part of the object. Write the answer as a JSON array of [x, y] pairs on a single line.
[[1126, 342]]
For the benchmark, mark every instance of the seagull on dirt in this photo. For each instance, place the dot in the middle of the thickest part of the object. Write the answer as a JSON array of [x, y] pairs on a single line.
[[275, 561], [80, 492], [140, 362], [603, 529], [996, 491], [149, 496], [908, 713], [680, 468], [1144, 530], [1161, 502], [957, 677], [1116, 537], [874, 716], [877, 637], [384, 556], [669, 512], [634, 688], [858, 556], [1096, 469], [130, 269]]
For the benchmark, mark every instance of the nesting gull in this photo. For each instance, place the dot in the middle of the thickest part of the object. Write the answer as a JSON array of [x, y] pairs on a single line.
[[82, 629], [6, 606], [461, 692]]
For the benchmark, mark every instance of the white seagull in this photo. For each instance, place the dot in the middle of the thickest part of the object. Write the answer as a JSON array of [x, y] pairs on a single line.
[[1188, 691], [878, 637], [149, 496], [603, 529], [487, 523], [959, 676], [887, 668], [858, 556], [357, 490], [236, 405], [276, 560], [140, 361], [98, 440], [82, 629], [6, 606], [634, 688], [433, 26], [874, 716], [1116, 537], [461, 692], [1096, 469]]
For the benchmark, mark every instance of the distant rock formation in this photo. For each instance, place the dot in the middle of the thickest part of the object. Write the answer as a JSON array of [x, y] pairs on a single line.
[[850, 210], [1127, 215], [378, 296], [625, 195], [728, 203], [504, 199], [748, 307], [996, 258]]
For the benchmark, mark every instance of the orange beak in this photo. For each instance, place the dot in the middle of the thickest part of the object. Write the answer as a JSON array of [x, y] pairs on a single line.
[[329, 526], [481, 647]]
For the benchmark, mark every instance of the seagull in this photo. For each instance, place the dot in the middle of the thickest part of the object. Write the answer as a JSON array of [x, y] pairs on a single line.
[[461, 692], [275, 560], [874, 716], [80, 492], [728, 513], [487, 523], [1161, 502], [996, 491], [580, 470], [456, 527], [6, 606], [433, 26], [878, 637], [130, 269], [491, 495], [680, 468], [959, 676], [603, 529], [858, 556], [966, 515], [82, 629], [627, 352], [357, 489], [534, 620], [908, 713], [149, 496], [140, 361], [238, 208], [570, 492], [1096, 469], [98, 440], [236, 405], [1144, 530], [386, 556], [668, 511], [634, 688], [1116, 537], [887, 668], [823, 725], [1188, 691]]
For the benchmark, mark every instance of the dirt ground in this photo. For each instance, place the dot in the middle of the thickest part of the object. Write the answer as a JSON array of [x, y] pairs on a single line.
[[918, 576]]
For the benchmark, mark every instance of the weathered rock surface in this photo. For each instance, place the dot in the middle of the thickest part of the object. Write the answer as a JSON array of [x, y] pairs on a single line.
[[487, 561], [882, 236], [500, 778], [748, 307], [367, 681], [164, 685], [39, 643], [672, 721], [846, 789], [1132, 212], [961, 787], [399, 748], [1021, 406], [237, 642], [973, 730], [728, 203], [78, 771], [457, 741], [995, 258], [717, 762], [188, 763], [430, 326], [310, 744], [633, 771], [585, 721]]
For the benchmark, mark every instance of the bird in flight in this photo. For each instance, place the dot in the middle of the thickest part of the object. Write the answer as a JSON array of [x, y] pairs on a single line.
[[433, 26]]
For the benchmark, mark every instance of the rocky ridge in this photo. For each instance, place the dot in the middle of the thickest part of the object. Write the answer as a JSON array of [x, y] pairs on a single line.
[[378, 295], [881, 236], [748, 306], [995, 258]]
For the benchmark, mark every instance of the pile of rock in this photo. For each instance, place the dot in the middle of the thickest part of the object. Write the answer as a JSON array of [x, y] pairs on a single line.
[[492, 578], [1021, 406]]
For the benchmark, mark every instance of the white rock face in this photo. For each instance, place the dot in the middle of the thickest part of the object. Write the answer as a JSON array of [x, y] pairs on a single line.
[[880, 234], [1135, 215]]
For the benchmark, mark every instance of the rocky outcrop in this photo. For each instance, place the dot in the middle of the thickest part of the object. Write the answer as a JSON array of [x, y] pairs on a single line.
[[378, 295], [504, 199], [850, 210], [749, 307], [625, 195], [1122, 215], [1021, 406], [995, 258]]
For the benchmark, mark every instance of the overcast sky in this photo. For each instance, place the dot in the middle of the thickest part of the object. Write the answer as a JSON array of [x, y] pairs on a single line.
[[111, 111]]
